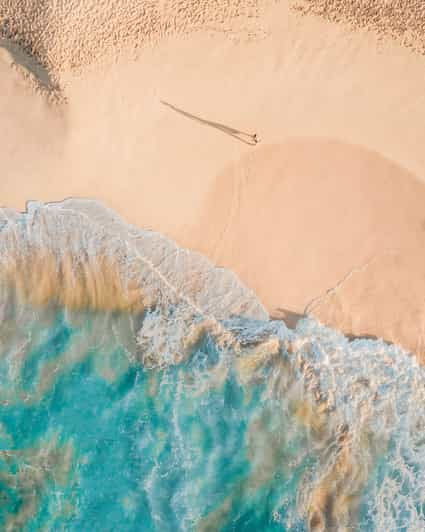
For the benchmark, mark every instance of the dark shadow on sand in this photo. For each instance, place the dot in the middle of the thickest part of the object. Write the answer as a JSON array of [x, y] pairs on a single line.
[[30, 65], [246, 138], [291, 320]]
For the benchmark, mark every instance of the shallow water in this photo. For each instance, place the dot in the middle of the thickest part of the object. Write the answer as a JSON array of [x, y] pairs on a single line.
[[194, 412]]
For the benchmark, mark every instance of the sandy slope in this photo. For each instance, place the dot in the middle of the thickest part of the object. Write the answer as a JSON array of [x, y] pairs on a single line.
[[335, 185], [314, 215]]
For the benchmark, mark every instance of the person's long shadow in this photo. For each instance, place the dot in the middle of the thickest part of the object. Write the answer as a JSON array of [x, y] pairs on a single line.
[[247, 138]]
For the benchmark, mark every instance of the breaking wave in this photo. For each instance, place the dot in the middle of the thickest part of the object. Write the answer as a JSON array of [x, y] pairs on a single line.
[[144, 389]]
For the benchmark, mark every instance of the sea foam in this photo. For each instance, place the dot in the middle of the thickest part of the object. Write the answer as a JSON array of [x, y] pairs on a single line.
[[142, 388]]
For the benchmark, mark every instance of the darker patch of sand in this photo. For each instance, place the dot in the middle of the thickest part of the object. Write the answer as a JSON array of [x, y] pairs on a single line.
[[403, 20], [316, 216]]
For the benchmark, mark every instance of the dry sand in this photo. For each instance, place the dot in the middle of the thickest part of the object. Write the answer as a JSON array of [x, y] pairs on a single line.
[[324, 215], [403, 20]]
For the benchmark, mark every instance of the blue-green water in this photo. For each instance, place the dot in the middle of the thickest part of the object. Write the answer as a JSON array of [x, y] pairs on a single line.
[[197, 414], [93, 440]]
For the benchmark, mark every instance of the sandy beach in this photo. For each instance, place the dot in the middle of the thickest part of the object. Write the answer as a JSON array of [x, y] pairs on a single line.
[[324, 215], [212, 287]]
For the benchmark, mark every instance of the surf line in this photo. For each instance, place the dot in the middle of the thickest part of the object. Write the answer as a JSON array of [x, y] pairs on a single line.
[[248, 138]]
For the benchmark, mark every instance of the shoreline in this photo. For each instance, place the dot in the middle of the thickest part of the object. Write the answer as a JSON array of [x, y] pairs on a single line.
[[321, 97]]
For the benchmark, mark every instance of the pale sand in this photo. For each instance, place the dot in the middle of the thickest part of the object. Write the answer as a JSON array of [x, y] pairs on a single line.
[[331, 199]]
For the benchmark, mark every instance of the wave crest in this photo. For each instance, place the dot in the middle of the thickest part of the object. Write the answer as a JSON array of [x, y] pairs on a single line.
[[82, 255]]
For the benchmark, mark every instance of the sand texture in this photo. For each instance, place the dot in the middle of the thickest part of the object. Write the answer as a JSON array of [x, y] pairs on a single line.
[[73, 35], [403, 20], [153, 107]]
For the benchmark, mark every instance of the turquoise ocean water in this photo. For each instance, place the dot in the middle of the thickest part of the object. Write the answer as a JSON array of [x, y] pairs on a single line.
[[171, 420]]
